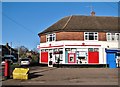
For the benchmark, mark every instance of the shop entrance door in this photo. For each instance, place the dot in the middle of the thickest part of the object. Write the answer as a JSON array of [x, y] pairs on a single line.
[[111, 60]]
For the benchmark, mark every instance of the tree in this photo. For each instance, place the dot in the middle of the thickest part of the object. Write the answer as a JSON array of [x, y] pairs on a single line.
[[35, 55], [22, 51]]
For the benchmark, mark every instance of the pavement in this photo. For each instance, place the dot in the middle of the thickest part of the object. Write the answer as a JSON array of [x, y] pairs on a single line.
[[68, 76]]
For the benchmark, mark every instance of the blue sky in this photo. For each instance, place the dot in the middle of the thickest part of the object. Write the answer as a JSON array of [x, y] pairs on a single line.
[[22, 21]]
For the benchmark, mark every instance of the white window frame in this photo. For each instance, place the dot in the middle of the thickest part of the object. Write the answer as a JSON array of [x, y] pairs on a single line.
[[48, 37], [118, 36], [115, 36], [88, 36]]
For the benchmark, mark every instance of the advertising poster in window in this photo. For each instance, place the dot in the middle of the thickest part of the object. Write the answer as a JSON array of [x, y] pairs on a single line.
[[71, 58]]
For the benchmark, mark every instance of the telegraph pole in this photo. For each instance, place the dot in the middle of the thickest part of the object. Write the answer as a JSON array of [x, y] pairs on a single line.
[[18, 52]]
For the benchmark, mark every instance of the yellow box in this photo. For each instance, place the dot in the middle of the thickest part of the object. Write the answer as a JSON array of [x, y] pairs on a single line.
[[21, 73]]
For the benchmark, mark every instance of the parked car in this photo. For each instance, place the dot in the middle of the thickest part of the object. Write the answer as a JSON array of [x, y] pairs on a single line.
[[24, 61]]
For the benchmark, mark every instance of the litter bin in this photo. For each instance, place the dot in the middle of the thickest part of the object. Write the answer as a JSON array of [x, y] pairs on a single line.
[[21, 73]]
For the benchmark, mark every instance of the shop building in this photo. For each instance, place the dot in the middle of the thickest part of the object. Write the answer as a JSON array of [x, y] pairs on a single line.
[[79, 40]]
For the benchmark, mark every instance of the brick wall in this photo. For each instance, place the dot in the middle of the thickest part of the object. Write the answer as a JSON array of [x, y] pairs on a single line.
[[43, 38], [102, 36], [72, 36]]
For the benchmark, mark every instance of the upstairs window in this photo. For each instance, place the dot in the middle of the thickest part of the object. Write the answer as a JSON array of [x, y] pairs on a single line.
[[117, 36], [91, 36], [113, 36], [51, 37]]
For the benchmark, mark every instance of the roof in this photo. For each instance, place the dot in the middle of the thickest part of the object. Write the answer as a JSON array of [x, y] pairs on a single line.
[[7, 47], [76, 23]]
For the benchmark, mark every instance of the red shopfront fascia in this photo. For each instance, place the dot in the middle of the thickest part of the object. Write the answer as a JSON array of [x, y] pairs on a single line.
[[71, 58], [44, 57]]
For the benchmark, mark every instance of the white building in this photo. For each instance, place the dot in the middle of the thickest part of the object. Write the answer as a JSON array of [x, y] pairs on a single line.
[[79, 40]]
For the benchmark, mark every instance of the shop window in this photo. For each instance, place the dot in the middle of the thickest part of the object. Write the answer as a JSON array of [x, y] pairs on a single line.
[[58, 51], [61, 52], [91, 36], [90, 49], [67, 49], [55, 50], [96, 49], [46, 50], [58, 54], [113, 36], [56, 57], [73, 49], [93, 49], [43, 50], [51, 37], [50, 55]]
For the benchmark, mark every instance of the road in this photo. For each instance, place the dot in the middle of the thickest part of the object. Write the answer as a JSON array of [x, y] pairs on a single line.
[[68, 76]]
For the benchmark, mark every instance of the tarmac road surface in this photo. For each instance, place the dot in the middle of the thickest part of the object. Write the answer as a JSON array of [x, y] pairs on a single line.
[[68, 76]]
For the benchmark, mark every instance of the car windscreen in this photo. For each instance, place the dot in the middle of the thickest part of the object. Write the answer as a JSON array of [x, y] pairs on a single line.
[[24, 59]]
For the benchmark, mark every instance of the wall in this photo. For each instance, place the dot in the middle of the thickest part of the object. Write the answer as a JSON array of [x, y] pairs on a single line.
[[103, 45], [102, 36], [42, 38], [72, 36]]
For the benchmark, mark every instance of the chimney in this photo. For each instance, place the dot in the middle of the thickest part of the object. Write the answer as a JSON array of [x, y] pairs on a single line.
[[92, 13], [7, 44]]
